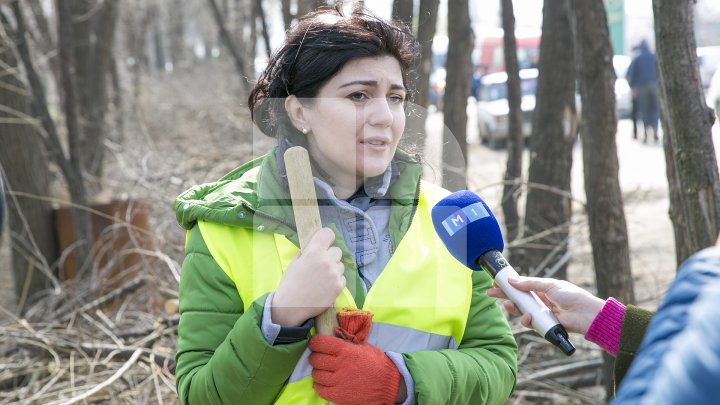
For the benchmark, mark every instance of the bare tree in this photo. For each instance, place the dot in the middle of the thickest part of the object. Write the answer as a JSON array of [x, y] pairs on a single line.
[[23, 156], [691, 163], [47, 41], [93, 34], [137, 24], [306, 6], [426, 27], [516, 142], [286, 14], [263, 24], [547, 212], [158, 41], [176, 11], [238, 57], [74, 162], [606, 217], [461, 40], [402, 10], [70, 165]]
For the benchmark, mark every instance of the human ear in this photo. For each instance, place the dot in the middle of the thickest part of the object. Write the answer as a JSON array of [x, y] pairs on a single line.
[[296, 111]]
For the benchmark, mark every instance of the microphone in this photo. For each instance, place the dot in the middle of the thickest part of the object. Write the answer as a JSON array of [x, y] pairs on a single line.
[[472, 235]]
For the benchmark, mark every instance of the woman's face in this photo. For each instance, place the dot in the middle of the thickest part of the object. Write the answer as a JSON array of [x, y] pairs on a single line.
[[355, 123]]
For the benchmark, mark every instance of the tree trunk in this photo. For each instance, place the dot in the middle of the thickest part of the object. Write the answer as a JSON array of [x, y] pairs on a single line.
[[47, 42], [606, 217], [548, 210], [417, 116], [136, 28], [515, 140], [427, 25], [402, 10], [265, 31], [240, 64], [158, 43], [176, 11], [76, 185], [286, 14], [306, 6], [70, 167], [93, 37], [117, 101], [461, 40], [23, 157], [691, 163]]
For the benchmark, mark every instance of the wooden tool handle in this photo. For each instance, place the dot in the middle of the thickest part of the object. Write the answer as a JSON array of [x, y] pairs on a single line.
[[307, 216]]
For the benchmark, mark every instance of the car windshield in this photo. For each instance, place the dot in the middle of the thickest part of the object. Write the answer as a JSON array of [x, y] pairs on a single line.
[[498, 91]]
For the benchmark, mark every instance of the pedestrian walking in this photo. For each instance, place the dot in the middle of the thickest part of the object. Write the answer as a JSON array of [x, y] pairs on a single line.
[[642, 78]]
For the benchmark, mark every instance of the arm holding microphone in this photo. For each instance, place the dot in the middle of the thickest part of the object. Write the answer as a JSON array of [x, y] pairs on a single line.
[[673, 358], [600, 321], [674, 355], [469, 230]]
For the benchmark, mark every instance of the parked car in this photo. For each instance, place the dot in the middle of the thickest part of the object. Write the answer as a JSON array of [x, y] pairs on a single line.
[[493, 110], [623, 93]]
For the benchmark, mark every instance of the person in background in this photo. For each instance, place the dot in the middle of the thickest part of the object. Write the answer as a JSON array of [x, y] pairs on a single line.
[[478, 73], [338, 86], [642, 78], [669, 357]]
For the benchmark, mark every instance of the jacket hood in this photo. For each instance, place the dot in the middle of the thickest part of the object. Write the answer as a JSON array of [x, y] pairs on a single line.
[[237, 197], [252, 196]]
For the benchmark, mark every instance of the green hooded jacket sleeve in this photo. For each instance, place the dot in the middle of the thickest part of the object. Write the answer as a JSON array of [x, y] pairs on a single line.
[[222, 356], [482, 370]]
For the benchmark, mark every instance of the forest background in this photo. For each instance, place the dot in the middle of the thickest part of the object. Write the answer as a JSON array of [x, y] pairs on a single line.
[[110, 109]]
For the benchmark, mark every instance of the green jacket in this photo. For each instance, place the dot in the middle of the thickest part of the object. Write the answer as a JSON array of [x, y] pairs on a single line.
[[222, 356]]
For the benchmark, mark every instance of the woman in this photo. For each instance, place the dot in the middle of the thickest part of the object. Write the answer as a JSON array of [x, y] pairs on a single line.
[[339, 87]]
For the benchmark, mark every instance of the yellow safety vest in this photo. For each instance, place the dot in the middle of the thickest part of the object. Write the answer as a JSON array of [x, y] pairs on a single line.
[[419, 302]]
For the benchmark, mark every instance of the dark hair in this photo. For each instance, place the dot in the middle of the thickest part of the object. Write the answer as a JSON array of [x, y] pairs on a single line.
[[316, 49]]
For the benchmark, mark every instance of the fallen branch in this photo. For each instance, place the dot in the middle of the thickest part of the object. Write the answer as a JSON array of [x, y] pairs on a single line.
[[570, 368], [105, 383]]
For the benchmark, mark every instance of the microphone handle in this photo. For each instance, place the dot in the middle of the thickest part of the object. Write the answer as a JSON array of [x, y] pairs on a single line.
[[498, 267]]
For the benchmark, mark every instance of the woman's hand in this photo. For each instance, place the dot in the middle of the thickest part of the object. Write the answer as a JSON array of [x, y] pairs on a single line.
[[574, 307], [311, 283]]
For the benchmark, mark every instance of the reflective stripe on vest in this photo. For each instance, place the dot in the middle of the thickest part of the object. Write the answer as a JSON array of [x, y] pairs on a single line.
[[419, 302]]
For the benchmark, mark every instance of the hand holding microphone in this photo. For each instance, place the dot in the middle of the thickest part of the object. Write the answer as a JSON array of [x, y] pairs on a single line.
[[574, 307], [472, 235]]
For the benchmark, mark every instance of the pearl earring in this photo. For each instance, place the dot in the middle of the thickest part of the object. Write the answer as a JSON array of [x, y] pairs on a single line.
[[304, 130]]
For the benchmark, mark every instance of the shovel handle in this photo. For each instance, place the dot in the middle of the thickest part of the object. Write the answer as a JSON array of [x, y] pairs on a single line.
[[307, 216]]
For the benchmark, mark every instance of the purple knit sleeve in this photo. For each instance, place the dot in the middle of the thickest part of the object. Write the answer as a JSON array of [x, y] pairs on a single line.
[[604, 330]]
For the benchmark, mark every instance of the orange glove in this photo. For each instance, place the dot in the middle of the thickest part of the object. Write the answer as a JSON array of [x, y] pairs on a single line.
[[354, 324], [352, 374]]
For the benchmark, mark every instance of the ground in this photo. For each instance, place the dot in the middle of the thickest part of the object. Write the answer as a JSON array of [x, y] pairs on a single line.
[[192, 127]]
